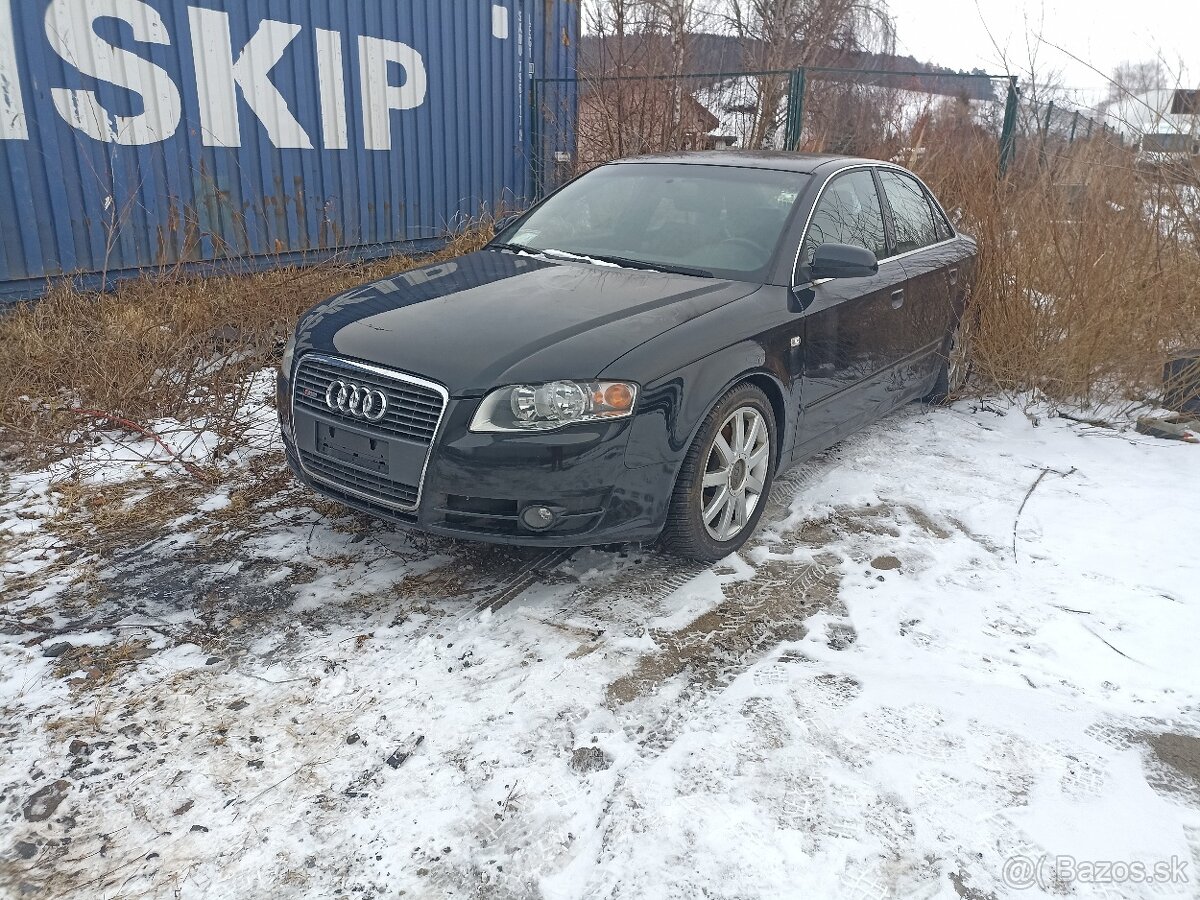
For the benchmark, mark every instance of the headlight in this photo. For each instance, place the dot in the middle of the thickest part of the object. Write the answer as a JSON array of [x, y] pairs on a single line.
[[289, 351], [544, 407]]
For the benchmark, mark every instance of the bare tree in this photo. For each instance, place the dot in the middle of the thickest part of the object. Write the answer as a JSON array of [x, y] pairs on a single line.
[[1131, 79], [640, 92], [635, 96], [1128, 86], [607, 110], [675, 21], [782, 35]]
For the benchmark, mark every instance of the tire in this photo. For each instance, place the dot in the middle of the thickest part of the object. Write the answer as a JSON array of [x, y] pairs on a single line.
[[696, 527], [954, 369]]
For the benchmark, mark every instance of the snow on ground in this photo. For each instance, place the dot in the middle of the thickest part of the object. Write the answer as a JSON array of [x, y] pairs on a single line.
[[958, 662]]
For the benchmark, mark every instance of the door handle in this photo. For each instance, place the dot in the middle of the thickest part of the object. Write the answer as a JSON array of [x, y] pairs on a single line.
[[898, 298], [953, 277]]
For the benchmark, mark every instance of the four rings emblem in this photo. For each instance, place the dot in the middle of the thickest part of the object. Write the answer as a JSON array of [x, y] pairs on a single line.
[[357, 401]]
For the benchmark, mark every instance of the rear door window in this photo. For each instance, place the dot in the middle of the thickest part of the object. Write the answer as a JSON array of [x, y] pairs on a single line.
[[911, 212]]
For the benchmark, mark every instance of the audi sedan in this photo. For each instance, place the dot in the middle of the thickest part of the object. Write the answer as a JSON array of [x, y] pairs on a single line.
[[636, 357]]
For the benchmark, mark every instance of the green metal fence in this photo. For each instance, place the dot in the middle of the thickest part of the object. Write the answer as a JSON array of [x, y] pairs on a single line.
[[1055, 123], [578, 123]]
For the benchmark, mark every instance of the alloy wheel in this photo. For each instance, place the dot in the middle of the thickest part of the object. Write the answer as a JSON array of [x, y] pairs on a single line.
[[735, 473], [956, 361]]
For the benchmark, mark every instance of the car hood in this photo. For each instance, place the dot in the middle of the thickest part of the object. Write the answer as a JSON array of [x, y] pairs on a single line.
[[494, 318]]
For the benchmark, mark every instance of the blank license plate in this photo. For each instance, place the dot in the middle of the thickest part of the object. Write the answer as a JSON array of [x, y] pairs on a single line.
[[355, 449]]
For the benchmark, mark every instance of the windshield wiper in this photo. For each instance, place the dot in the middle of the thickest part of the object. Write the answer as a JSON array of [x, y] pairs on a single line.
[[627, 263], [550, 252], [622, 261], [515, 248]]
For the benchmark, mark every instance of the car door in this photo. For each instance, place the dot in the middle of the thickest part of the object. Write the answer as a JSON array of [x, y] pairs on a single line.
[[924, 249], [848, 341]]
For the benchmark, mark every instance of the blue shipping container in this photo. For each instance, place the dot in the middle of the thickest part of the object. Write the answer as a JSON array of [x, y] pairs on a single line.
[[140, 134]]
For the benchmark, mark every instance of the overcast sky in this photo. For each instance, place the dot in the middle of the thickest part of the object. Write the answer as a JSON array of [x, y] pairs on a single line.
[[1102, 33]]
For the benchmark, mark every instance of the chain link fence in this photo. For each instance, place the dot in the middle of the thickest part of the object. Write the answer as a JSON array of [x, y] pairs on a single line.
[[1051, 126], [584, 122]]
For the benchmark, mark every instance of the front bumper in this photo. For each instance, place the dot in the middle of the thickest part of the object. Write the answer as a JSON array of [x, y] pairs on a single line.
[[476, 486]]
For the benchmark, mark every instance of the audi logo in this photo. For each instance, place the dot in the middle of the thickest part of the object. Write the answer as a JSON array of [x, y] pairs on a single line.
[[353, 400]]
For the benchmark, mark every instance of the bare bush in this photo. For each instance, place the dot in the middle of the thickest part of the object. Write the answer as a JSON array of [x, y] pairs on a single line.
[[1090, 269], [166, 346]]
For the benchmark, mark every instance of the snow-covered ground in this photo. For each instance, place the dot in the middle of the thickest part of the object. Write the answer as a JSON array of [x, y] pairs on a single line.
[[959, 661]]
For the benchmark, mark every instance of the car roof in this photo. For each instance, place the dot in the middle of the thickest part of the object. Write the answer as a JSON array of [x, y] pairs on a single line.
[[805, 163]]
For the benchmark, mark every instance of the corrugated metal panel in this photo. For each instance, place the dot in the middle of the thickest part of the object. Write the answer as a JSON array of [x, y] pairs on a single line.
[[158, 133]]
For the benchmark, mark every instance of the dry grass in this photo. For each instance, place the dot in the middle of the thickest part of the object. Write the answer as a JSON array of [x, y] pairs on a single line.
[[1089, 269], [161, 347], [100, 664]]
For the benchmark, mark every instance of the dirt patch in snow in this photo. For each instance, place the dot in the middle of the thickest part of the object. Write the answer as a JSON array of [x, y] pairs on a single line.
[[756, 616], [1175, 766]]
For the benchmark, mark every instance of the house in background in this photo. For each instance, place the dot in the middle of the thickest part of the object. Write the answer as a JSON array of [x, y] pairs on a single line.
[[627, 118], [1162, 122]]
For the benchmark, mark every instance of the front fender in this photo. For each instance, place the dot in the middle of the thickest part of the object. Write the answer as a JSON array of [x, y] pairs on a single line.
[[672, 410]]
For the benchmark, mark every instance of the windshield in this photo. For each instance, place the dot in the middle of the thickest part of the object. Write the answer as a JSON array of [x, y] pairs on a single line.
[[717, 220]]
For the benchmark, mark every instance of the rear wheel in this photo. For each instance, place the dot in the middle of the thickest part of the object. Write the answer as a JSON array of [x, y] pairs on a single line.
[[954, 370], [725, 478]]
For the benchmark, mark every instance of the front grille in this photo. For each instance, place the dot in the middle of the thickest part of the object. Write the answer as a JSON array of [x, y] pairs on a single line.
[[360, 481], [414, 412], [370, 507], [413, 409]]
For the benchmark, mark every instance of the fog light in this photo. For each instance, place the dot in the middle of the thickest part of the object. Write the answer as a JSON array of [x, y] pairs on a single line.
[[538, 518]]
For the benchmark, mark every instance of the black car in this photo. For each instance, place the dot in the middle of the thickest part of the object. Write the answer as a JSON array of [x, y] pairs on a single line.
[[637, 356]]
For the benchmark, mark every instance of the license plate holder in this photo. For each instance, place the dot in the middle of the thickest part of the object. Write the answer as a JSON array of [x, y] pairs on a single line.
[[362, 451], [390, 458]]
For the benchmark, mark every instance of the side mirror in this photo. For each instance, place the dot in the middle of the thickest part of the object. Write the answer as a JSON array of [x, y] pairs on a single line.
[[843, 261]]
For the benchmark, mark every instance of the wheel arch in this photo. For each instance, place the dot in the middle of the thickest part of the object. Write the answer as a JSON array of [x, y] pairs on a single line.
[[768, 384], [675, 407], [679, 533]]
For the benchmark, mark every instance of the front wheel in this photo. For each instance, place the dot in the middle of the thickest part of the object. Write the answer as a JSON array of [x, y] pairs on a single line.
[[725, 478]]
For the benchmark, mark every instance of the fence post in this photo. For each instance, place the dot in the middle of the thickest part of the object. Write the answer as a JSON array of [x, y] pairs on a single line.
[[1074, 125], [1045, 134], [794, 130], [1008, 134], [535, 138]]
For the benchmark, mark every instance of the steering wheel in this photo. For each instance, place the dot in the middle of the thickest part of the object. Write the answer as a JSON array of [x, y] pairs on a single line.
[[758, 248]]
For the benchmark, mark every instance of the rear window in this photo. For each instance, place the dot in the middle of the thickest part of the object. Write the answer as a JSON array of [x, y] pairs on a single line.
[[911, 212]]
